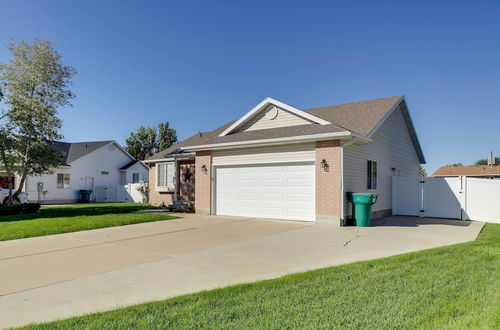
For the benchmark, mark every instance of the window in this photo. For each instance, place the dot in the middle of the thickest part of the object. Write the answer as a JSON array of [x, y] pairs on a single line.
[[63, 180], [104, 172], [135, 177], [165, 175], [372, 174]]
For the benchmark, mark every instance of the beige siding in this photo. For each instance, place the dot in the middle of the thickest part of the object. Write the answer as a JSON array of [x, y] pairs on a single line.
[[283, 119], [265, 155], [391, 147]]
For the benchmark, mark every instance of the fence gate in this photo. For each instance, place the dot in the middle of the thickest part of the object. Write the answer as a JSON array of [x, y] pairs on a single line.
[[463, 198], [427, 197], [119, 193]]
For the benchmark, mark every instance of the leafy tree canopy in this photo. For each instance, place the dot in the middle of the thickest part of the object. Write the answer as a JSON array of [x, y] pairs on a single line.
[[485, 161], [455, 165], [35, 85], [422, 171], [149, 140]]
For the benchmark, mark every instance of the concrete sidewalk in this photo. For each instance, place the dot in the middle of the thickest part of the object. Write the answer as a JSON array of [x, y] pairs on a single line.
[[58, 276]]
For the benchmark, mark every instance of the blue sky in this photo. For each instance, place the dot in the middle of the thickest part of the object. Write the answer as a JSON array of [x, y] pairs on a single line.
[[199, 64]]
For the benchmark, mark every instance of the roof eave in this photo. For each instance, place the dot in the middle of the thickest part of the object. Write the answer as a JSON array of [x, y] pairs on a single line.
[[186, 155], [284, 140]]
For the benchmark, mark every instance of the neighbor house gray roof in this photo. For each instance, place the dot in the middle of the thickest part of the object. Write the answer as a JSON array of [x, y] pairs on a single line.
[[128, 165], [74, 150], [358, 117]]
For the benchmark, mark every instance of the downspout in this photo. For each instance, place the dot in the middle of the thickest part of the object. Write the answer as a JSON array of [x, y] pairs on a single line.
[[342, 208]]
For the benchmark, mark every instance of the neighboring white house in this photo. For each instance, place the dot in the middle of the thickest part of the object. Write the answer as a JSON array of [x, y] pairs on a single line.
[[86, 165]]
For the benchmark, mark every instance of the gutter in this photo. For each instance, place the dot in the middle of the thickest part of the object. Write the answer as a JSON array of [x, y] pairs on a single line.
[[342, 192], [278, 141], [187, 155]]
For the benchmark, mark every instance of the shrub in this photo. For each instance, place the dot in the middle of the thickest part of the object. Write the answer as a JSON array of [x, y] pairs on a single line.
[[19, 209]]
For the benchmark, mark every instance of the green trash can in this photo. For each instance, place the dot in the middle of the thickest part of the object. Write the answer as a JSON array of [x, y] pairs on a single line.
[[363, 208], [85, 195]]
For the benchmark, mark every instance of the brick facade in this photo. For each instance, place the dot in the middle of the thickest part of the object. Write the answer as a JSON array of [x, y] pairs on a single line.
[[203, 182], [328, 182], [155, 197]]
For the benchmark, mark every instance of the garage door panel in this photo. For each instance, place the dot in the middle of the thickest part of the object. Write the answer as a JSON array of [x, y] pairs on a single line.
[[267, 191], [228, 197], [273, 212], [249, 183], [299, 168], [248, 170], [300, 183], [300, 198], [271, 198], [300, 175], [273, 183], [272, 176], [273, 169]]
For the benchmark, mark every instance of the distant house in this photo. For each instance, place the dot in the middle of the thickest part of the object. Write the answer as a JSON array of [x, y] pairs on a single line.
[[478, 171], [84, 165]]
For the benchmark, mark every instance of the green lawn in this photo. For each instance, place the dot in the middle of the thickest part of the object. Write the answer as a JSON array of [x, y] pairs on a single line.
[[455, 287], [64, 219]]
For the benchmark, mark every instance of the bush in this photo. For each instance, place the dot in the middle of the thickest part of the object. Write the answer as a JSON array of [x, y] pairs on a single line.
[[19, 209]]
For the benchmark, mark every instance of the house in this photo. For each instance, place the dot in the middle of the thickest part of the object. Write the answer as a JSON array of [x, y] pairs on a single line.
[[84, 165], [477, 171], [277, 161]]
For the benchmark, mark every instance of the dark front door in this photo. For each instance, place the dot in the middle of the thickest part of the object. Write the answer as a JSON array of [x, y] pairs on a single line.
[[186, 180]]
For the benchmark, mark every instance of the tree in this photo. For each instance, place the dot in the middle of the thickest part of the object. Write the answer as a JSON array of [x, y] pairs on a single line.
[[166, 136], [485, 161], [422, 171], [141, 144], [455, 165], [149, 140], [35, 85]]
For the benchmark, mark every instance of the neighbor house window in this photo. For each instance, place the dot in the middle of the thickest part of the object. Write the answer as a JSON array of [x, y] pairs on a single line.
[[135, 177], [372, 174], [63, 180], [165, 175]]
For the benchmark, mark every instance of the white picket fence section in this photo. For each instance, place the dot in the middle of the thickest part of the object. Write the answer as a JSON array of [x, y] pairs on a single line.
[[118, 193], [462, 198]]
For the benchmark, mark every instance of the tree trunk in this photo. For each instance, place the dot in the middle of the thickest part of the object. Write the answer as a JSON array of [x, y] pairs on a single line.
[[21, 184], [11, 198]]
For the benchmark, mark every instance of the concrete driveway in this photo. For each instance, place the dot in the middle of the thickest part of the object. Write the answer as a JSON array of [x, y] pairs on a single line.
[[59, 276]]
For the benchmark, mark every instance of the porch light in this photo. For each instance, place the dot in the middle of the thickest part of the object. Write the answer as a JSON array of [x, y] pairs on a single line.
[[324, 165], [204, 169]]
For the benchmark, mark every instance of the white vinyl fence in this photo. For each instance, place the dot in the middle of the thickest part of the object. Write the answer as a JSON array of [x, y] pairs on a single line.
[[462, 198], [118, 193]]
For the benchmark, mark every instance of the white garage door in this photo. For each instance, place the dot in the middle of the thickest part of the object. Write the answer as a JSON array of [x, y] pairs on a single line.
[[266, 191]]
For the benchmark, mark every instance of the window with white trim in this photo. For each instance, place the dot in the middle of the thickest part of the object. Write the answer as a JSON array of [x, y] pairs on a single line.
[[165, 175], [372, 174], [63, 180]]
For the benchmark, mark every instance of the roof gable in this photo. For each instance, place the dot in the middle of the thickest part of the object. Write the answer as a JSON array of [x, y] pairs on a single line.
[[281, 115], [71, 151], [357, 119]]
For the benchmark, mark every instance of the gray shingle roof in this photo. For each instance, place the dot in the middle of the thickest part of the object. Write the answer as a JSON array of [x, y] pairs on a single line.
[[358, 117], [128, 165], [74, 150]]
